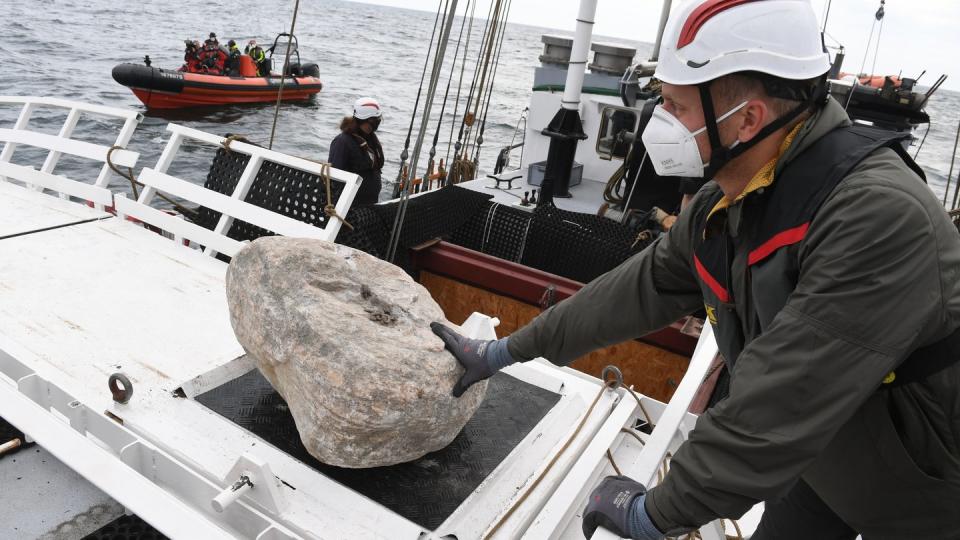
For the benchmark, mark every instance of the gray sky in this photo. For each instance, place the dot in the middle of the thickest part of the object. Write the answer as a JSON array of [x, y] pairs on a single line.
[[917, 34]]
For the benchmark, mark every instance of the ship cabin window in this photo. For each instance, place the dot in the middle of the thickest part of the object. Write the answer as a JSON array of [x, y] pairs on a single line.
[[615, 124]]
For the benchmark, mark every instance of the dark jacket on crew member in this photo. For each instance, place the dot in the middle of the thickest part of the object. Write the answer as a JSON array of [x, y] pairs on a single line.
[[259, 58], [360, 153], [815, 322]]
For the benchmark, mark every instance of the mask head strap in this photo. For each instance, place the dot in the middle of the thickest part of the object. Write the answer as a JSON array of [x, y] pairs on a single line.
[[720, 155]]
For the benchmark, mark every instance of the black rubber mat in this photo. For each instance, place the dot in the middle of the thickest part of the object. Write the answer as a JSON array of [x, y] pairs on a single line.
[[126, 528], [425, 491]]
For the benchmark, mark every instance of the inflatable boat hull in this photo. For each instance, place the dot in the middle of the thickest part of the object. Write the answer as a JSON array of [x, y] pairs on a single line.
[[166, 89]]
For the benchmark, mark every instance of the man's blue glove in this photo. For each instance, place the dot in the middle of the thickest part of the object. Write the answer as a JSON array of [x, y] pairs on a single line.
[[617, 505], [480, 358]]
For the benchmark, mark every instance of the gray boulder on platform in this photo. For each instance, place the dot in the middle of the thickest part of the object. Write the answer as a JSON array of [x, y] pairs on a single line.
[[345, 338]]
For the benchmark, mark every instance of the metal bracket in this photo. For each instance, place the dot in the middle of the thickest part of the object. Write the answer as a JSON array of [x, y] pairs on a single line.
[[251, 477]]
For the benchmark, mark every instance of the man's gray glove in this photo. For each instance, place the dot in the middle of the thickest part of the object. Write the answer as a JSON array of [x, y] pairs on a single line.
[[617, 505], [480, 358]]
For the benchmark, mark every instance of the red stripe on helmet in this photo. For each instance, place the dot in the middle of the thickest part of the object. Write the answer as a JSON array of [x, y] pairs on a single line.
[[701, 15], [374, 105]]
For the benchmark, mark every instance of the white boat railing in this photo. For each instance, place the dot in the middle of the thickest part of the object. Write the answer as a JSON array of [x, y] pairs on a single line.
[[230, 206], [44, 179], [672, 424]]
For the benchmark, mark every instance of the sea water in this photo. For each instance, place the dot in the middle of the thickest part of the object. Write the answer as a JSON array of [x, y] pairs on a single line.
[[67, 48]]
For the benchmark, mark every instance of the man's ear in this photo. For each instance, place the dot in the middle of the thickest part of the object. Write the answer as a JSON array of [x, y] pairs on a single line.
[[756, 115]]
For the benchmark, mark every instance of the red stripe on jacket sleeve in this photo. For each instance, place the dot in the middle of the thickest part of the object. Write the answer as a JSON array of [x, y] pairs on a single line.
[[714, 285], [785, 238]]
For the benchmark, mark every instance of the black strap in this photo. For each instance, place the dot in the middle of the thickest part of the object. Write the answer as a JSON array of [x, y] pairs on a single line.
[[720, 155], [926, 361]]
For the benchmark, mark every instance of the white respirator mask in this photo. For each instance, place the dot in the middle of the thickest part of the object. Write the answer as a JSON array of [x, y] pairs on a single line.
[[673, 148]]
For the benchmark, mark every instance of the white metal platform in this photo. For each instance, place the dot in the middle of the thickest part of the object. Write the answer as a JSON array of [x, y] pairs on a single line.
[[83, 301], [35, 198]]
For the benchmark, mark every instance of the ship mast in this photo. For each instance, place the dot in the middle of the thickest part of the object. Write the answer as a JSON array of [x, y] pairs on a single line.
[[566, 129], [664, 14]]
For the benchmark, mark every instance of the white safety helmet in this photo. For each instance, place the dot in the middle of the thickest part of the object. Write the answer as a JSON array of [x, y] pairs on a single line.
[[366, 108], [707, 39]]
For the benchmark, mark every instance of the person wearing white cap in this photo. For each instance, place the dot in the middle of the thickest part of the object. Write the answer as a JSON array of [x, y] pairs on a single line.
[[357, 149]]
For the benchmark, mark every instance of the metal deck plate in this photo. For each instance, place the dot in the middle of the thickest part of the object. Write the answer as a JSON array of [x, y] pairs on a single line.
[[425, 491]]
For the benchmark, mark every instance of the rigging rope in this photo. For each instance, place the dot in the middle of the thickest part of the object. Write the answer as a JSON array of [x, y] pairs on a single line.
[[329, 209], [503, 519], [283, 72], [866, 53], [480, 75], [456, 108], [876, 51], [956, 191], [428, 105], [416, 106], [493, 76], [443, 108], [459, 168], [188, 213]]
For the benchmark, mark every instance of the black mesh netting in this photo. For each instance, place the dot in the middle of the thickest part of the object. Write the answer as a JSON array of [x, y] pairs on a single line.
[[281, 189], [573, 245], [434, 214], [576, 246]]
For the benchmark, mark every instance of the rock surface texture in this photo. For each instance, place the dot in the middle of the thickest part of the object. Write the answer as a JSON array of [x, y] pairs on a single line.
[[345, 339]]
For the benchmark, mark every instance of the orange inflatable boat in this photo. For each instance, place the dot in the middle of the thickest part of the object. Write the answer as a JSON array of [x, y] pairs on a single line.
[[167, 89]]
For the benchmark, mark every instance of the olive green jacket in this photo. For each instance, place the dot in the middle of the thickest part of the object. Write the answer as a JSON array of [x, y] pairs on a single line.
[[879, 277]]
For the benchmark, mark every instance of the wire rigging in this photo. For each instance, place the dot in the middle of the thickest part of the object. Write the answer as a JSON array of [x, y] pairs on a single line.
[[283, 72], [416, 106], [456, 108], [493, 77], [427, 107], [446, 95]]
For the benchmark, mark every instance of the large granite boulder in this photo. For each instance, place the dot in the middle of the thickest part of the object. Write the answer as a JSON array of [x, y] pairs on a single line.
[[345, 338]]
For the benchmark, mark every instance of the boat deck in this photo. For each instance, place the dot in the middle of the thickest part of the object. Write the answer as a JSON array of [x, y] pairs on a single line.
[[86, 301], [586, 197], [25, 211]]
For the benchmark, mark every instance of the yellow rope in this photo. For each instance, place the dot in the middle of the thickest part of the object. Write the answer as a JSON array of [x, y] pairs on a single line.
[[226, 142], [187, 212], [329, 209], [550, 465]]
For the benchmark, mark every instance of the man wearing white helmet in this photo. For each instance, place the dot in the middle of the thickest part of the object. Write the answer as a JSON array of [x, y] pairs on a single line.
[[829, 272], [357, 149]]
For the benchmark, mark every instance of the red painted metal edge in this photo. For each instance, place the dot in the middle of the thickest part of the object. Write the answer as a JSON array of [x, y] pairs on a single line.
[[497, 275], [522, 283]]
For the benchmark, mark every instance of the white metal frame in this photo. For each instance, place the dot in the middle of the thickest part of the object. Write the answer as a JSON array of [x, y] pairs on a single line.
[[233, 206], [673, 423], [62, 143]]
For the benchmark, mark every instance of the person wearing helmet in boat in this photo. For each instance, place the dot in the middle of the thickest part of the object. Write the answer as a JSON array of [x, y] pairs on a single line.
[[828, 271], [191, 57], [357, 149], [213, 58], [232, 65], [259, 57]]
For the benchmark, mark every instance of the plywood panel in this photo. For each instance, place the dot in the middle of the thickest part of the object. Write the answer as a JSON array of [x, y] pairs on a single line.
[[652, 371]]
